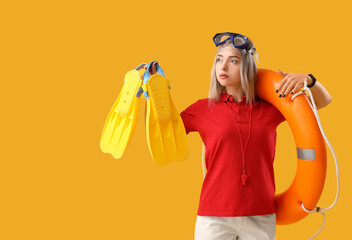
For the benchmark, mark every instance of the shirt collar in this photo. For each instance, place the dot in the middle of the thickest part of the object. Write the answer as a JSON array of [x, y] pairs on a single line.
[[225, 96]]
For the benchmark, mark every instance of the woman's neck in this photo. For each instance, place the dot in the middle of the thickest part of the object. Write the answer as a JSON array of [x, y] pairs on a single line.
[[236, 93]]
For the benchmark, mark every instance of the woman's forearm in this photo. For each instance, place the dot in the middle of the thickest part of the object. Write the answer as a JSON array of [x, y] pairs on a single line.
[[293, 82], [321, 96]]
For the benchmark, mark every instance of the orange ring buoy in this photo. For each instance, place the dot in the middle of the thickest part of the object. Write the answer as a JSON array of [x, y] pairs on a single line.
[[310, 176]]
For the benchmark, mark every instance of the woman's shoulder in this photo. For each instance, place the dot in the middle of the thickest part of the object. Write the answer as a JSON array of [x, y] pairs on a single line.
[[199, 106], [204, 101], [262, 102], [201, 102], [270, 109], [265, 105]]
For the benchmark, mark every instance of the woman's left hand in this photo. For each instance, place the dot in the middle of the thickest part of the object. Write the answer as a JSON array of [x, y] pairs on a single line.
[[291, 83]]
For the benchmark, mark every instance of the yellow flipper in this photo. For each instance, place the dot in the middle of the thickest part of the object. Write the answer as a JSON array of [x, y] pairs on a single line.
[[166, 135], [121, 121]]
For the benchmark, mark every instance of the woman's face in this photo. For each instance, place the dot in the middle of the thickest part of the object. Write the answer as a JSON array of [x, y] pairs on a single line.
[[227, 67]]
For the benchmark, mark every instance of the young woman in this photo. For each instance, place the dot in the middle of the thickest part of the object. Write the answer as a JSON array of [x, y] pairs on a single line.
[[239, 132]]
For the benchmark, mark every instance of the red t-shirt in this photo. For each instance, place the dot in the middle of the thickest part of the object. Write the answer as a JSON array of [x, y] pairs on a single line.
[[223, 193]]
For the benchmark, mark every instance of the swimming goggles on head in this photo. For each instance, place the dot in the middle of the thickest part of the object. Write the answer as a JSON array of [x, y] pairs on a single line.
[[237, 40]]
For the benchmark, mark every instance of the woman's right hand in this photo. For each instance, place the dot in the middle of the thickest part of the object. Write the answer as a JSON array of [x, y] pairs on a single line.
[[151, 72], [153, 69]]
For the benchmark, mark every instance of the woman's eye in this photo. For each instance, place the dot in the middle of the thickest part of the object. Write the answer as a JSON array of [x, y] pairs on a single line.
[[218, 60], [233, 61]]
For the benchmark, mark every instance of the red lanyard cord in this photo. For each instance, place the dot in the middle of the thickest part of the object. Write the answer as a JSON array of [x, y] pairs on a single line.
[[244, 175]]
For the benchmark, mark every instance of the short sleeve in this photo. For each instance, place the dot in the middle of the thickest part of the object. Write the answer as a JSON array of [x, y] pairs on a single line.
[[275, 116], [279, 118], [190, 117]]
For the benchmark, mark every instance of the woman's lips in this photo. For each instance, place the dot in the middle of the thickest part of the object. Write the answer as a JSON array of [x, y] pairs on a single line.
[[223, 76]]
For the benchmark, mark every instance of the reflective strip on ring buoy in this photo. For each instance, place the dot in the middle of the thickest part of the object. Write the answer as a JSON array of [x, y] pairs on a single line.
[[308, 183]]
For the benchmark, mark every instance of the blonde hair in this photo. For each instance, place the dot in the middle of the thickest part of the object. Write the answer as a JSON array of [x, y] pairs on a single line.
[[248, 72]]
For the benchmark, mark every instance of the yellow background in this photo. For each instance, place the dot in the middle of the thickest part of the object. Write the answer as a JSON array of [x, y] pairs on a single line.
[[62, 67]]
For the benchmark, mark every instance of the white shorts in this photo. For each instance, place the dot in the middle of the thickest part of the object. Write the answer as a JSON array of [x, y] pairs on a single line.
[[262, 227]]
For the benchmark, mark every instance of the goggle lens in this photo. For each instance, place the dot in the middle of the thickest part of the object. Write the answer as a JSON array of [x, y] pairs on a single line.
[[221, 38], [239, 41]]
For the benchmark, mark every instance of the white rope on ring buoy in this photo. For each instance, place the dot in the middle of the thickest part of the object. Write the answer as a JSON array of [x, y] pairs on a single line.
[[319, 209]]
